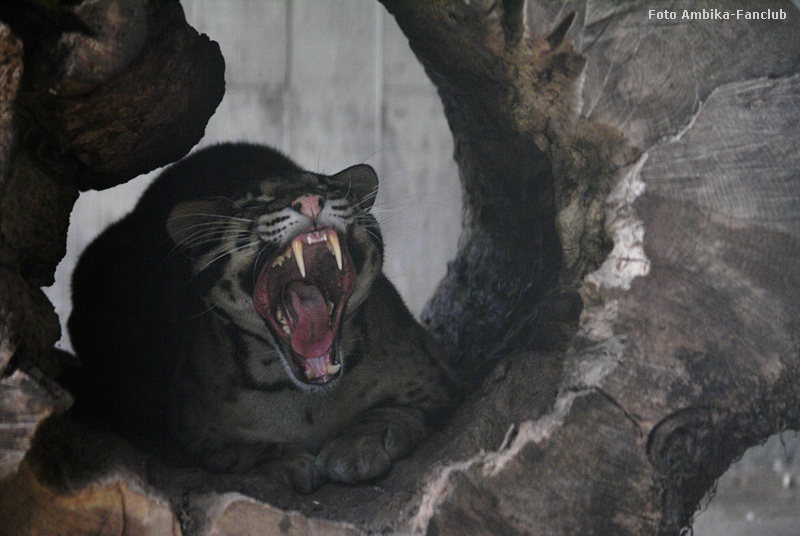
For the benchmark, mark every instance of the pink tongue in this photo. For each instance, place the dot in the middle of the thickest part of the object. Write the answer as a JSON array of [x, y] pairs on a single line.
[[311, 336]]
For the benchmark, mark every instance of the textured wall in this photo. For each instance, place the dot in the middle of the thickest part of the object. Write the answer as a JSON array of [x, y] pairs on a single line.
[[331, 84]]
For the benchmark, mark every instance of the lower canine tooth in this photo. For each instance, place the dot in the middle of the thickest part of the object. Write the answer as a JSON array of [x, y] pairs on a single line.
[[333, 369]]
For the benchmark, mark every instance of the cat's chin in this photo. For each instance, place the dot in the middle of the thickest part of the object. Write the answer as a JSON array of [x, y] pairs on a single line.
[[301, 294], [315, 372]]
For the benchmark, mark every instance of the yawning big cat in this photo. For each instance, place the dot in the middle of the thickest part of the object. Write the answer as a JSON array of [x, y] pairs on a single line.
[[239, 319]]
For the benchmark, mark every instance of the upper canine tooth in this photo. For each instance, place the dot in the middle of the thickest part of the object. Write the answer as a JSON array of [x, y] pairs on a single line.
[[333, 241], [297, 247]]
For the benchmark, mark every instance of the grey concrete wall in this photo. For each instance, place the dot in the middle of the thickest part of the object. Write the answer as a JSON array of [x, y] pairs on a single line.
[[759, 495]]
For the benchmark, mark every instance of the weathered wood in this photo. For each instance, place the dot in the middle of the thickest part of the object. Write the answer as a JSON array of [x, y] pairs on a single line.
[[511, 140], [59, 136], [10, 74], [171, 110], [27, 329], [24, 404], [688, 343], [91, 94], [28, 508], [234, 515]]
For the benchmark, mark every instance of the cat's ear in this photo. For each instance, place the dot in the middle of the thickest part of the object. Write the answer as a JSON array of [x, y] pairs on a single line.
[[191, 221], [361, 182]]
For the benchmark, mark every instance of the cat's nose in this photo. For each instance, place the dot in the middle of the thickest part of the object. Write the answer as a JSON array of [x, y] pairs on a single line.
[[309, 204]]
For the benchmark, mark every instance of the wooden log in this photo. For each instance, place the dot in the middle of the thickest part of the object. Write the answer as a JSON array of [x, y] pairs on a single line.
[[117, 507], [687, 345], [91, 94], [127, 101], [24, 404]]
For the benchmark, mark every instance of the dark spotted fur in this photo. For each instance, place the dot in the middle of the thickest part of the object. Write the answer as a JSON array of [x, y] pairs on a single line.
[[175, 356]]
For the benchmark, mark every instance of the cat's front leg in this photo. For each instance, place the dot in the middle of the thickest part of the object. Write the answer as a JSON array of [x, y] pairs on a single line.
[[366, 448], [286, 465]]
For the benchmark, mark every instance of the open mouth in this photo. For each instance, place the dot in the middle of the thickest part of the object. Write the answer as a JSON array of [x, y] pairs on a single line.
[[301, 293]]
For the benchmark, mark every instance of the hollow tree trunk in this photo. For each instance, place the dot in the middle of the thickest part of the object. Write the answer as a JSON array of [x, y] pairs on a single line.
[[638, 173], [687, 350]]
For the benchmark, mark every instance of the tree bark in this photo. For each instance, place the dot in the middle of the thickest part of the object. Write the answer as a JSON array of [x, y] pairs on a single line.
[[665, 142], [91, 95], [624, 299]]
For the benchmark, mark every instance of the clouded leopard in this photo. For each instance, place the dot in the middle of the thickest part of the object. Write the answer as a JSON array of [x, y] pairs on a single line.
[[239, 319]]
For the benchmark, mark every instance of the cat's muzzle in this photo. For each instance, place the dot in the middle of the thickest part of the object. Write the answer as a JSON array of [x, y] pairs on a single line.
[[301, 293]]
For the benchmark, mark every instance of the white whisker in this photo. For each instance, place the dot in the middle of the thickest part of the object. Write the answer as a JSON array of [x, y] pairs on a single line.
[[197, 239], [255, 264], [223, 254], [207, 215], [377, 238]]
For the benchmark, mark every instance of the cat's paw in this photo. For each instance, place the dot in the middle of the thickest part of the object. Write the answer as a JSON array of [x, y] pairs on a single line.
[[278, 464], [299, 472], [354, 457]]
